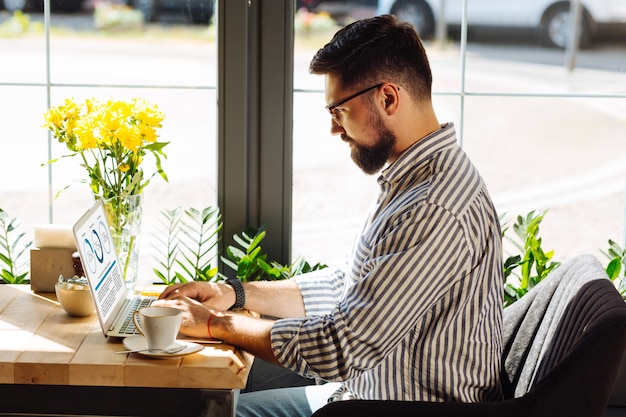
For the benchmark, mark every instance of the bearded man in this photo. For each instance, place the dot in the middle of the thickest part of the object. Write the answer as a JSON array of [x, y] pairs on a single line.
[[416, 313]]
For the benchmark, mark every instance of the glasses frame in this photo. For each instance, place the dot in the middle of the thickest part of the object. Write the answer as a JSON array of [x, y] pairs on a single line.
[[331, 107]]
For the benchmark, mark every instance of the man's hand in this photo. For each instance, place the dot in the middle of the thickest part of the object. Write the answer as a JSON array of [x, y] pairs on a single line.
[[250, 334], [219, 296], [195, 315]]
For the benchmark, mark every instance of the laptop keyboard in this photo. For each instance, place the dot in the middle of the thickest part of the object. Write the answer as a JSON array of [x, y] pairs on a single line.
[[128, 326]]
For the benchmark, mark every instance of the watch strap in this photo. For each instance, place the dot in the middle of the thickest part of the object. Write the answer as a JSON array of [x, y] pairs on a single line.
[[240, 294]]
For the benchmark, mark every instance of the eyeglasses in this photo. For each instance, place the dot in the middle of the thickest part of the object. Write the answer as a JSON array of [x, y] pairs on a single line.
[[332, 109]]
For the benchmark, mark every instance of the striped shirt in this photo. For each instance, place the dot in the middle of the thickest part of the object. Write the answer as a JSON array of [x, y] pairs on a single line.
[[416, 314]]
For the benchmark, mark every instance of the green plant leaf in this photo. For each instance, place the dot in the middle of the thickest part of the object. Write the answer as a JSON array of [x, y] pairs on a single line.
[[534, 262], [614, 268], [13, 247], [167, 249]]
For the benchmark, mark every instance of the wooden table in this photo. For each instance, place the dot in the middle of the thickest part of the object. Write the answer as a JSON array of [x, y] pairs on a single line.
[[54, 364]]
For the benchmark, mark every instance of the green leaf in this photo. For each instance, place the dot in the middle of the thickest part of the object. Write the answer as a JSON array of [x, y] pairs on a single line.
[[614, 268], [534, 262], [13, 247], [256, 242], [6, 260]]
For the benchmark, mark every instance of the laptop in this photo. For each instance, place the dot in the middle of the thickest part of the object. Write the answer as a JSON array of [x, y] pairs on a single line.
[[104, 273]]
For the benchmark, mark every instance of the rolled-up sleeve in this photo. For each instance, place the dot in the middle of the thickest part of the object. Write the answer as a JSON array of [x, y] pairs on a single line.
[[321, 289]]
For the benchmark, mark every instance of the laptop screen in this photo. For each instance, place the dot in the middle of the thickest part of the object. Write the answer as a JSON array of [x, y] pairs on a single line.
[[100, 263]]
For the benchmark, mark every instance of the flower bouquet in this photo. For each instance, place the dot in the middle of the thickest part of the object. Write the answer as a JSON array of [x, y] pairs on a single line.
[[112, 138]]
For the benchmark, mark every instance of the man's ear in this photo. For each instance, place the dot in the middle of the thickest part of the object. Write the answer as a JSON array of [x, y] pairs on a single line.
[[392, 98]]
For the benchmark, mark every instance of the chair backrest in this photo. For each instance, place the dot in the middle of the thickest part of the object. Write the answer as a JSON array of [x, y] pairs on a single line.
[[551, 338]]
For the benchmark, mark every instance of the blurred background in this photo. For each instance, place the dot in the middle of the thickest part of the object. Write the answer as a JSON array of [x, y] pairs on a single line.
[[542, 116]]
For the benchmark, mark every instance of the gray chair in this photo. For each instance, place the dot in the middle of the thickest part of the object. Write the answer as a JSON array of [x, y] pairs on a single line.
[[563, 346]]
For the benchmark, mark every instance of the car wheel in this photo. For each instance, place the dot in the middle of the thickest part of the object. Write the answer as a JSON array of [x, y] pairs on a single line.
[[555, 27], [14, 5], [417, 13], [201, 13], [148, 8]]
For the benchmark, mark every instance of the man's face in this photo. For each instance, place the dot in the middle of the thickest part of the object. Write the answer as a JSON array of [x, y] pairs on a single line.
[[359, 124]]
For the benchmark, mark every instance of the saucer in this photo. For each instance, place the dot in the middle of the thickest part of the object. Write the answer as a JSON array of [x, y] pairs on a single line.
[[139, 342]]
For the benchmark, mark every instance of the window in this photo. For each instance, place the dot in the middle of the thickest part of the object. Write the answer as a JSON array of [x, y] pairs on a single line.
[[170, 61], [544, 137]]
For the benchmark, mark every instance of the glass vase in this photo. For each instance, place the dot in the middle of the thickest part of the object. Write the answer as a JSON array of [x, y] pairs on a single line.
[[124, 215]]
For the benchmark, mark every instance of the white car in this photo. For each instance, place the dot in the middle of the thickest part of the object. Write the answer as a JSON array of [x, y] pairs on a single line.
[[550, 17]]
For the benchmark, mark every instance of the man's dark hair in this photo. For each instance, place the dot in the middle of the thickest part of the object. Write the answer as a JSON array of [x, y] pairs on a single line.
[[379, 49]]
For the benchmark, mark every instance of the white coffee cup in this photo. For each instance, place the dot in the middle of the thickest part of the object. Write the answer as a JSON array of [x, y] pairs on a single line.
[[159, 325]]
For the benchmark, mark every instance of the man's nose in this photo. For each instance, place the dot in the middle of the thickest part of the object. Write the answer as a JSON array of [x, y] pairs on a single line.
[[336, 128]]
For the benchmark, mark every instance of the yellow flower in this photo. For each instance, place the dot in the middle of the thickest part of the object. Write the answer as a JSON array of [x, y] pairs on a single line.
[[54, 119], [90, 105], [129, 137], [111, 138], [148, 133], [150, 117], [86, 134]]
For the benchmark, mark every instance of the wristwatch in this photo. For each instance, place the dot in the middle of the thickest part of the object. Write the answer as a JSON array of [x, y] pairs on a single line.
[[240, 294]]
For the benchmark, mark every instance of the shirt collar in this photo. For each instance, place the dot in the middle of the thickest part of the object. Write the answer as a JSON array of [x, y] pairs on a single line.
[[419, 154]]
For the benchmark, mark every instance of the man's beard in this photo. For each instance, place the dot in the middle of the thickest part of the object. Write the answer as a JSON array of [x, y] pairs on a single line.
[[372, 159]]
